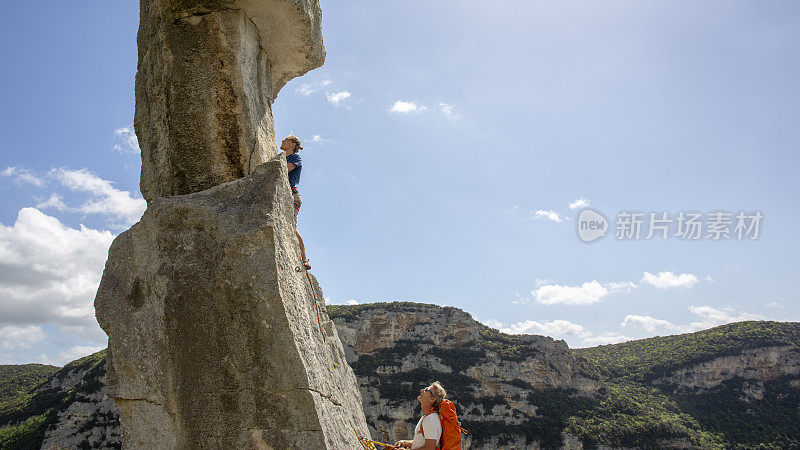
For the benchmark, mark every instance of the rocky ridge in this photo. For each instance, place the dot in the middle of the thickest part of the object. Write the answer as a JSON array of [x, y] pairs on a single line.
[[532, 392]]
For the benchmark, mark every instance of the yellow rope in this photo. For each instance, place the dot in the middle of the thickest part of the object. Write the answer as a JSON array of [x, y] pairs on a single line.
[[368, 444]]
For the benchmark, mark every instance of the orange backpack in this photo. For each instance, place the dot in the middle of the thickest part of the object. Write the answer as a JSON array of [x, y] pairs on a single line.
[[451, 427]]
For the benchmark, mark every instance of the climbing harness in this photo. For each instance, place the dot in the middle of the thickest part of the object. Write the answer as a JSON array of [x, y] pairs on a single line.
[[368, 444]]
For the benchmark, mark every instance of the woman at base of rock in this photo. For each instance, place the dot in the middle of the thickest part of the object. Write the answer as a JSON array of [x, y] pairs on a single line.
[[428, 431]]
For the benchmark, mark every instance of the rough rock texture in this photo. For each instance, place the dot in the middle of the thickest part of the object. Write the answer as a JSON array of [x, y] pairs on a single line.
[[391, 375], [91, 420], [213, 333], [397, 348], [215, 340], [207, 75], [756, 366]]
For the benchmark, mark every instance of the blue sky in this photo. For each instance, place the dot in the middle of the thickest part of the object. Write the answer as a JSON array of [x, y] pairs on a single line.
[[444, 143]]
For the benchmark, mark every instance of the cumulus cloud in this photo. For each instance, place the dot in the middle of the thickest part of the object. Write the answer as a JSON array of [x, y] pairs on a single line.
[[666, 280], [556, 294], [548, 214], [555, 328], [352, 301], [50, 272], [312, 87], [14, 337], [608, 337], [709, 317], [128, 141], [559, 329], [104, 198], [74, 353], [712, 317], [648, 323], [403, 107], [579, 203], [337, 98], [21, 175], [492, 323], [622, 286]]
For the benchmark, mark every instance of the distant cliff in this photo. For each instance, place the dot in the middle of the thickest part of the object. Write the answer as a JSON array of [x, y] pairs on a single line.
[[732, 386]]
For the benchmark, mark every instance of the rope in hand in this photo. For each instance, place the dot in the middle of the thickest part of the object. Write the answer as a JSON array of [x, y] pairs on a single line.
[[368, 444]]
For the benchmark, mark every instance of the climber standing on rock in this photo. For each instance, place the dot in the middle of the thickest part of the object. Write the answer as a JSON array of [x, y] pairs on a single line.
[[294, 164]]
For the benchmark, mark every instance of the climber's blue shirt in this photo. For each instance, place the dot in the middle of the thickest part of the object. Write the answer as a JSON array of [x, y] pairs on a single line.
[[294, 175]]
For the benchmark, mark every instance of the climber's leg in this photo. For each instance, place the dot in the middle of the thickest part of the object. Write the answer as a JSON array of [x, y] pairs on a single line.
[[302, 250]]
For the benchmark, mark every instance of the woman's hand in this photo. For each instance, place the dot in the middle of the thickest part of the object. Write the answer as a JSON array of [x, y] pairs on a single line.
[[402, 444]]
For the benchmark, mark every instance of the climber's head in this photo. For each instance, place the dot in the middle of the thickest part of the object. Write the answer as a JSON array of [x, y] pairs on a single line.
[[431, 396], [291, 144]]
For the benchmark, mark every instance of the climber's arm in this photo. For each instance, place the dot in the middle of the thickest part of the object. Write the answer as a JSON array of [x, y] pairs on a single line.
[[290, 166]]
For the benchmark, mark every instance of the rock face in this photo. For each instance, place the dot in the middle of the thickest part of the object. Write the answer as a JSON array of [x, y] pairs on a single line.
[[395, 348], [502, 385], [215, 336], [207, 75], [754, 366], [88, 418]]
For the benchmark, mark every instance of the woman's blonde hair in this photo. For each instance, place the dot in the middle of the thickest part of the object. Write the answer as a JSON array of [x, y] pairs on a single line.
[[438, 393], [296, 141]]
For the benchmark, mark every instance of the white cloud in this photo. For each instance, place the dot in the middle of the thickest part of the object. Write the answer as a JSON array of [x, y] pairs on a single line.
[[403, 107], [312, 87], [492, 323], [556, 294], [579, 203], [336, 98], [318, 139], [53, 202], [105, 199], [549, 214], [49, 272], [21, 175], [719, 316], [130, 144], [608, 337], [556, 328], [448, 111], [666, 280], [78, 351], [13, 337], [352, 301], [710, 317], [648, 323], [622, 286]]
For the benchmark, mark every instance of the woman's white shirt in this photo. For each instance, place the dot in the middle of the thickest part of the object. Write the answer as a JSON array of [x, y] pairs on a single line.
[[432, 427]]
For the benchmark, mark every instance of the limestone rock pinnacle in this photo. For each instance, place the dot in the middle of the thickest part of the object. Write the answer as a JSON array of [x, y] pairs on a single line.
[[217, 339], [207, 75]]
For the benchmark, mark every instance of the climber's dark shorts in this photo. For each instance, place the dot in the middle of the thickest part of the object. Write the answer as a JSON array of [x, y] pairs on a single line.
[[298, 200]]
